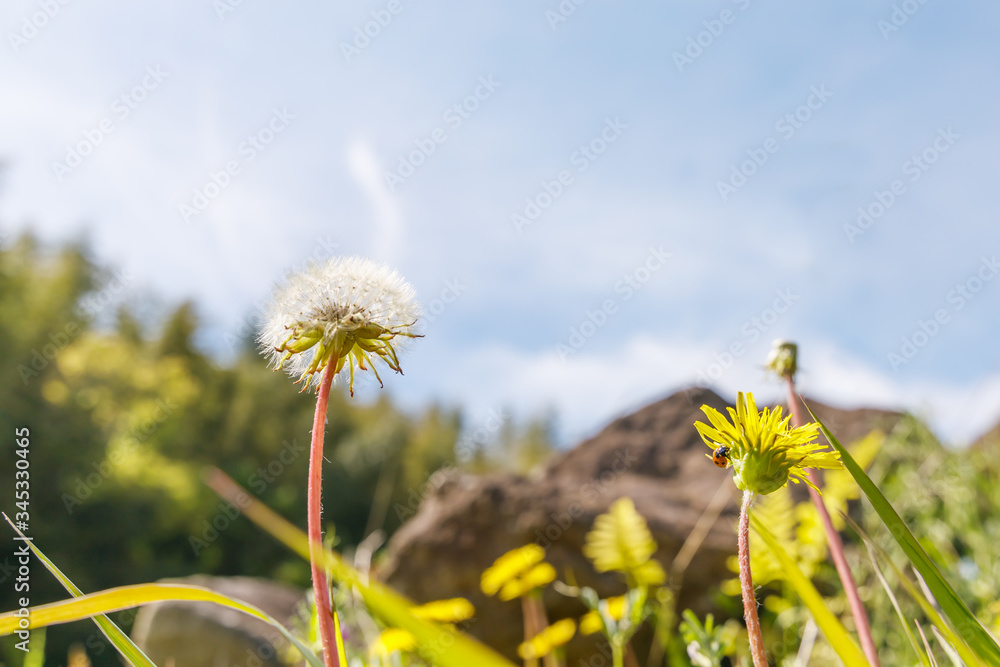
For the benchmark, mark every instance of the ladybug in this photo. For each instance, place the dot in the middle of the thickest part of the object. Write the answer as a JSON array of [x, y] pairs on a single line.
[[720, 457]]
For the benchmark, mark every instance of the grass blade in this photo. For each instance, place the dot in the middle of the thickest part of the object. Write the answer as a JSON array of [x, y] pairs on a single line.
[[118, 639], [964, 621], [899, 611], [435, 644], [871, 547], [836, 633], [341, 653], [930, 653], [925, 605], [126, 597], [956, 660], [36, 652]]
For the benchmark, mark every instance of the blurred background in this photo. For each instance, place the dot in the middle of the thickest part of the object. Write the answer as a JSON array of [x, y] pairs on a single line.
[[598, 203]]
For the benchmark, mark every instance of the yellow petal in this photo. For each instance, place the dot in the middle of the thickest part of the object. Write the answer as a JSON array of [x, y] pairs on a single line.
[[453, 610], [392, 640], [556, 635], [591, 621], [536, 577], [509, 566]]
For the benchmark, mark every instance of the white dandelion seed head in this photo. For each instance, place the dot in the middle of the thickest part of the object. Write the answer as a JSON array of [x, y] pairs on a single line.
[[346, 296]]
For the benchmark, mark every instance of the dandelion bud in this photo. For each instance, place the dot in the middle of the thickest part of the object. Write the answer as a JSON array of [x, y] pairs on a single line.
[[783, 359]]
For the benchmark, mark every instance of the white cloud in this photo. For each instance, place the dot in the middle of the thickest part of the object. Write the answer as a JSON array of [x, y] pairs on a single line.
[[957, 412], [589, 390]]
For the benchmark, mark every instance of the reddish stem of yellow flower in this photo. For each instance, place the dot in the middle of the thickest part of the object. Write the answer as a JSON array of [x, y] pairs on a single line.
[[324, 608], [530, 626], [746, 581], [836, 545]]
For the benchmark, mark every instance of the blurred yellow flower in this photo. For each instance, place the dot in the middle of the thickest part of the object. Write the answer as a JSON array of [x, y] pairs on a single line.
[[591, 621], [538, 576], [556, 635], [392, 640], [509, 566], [453, 610], [621, 541]]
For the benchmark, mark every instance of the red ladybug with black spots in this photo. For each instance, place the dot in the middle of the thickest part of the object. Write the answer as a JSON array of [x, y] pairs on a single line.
[[720, 457]]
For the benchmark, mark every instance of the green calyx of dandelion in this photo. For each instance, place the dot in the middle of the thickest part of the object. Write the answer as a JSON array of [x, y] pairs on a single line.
[[344, 313], [764, 450]]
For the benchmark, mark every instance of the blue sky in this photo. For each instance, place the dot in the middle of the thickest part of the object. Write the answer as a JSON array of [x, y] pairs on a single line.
[[620, 123]]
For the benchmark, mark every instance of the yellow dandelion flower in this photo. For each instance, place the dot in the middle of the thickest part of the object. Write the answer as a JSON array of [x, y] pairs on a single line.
[[392, 640], [453, 610], [536, 577], [509, 566], [556, 635], [764, 449], [591, 621]]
